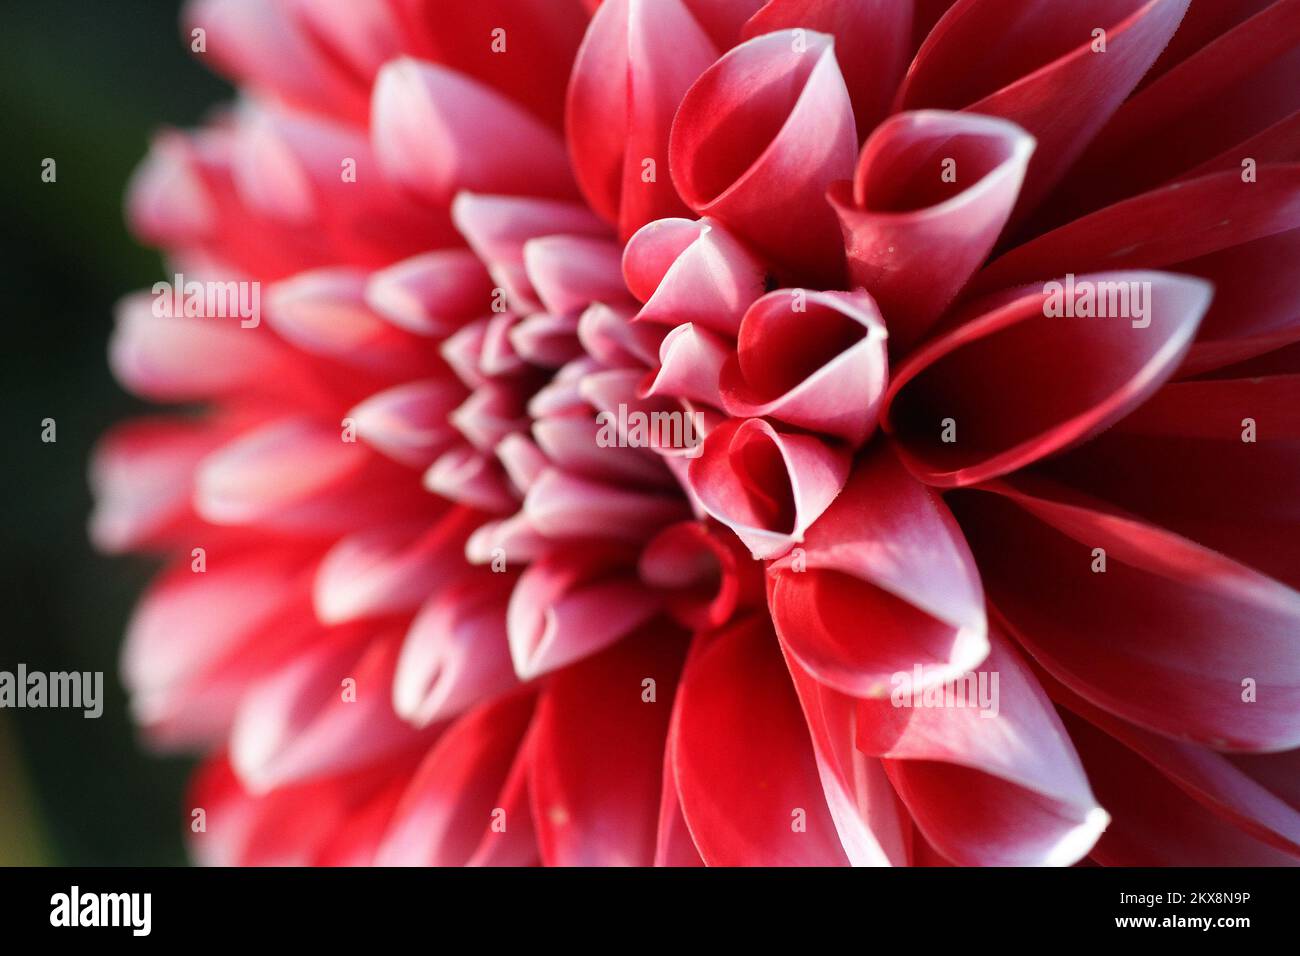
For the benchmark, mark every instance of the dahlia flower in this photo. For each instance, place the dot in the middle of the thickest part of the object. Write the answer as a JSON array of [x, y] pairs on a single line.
[[973, 540]]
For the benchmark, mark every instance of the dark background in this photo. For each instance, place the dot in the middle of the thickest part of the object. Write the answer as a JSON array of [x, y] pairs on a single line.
[[85, 82]]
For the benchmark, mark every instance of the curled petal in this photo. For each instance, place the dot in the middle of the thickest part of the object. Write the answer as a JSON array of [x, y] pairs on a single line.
[[492, 411], [561, 505], [471, 477], [811, 359], [757, 141], [996, 783], [572, 443], [872, 44], [546, 340], [931, 195], [508, 540], [705, 572], [1242, 236], [325, 313], [966, 407], [569, 273], [693, 272], [690, 364], [608, 336], [767, 486], [409, 423], [496, 227], [884, 583]]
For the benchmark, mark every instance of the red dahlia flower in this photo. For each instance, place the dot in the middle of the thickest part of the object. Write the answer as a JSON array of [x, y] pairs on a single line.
[[725, 431]]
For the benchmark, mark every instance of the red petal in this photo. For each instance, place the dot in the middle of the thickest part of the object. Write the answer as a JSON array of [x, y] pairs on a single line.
[[914, 238], [746, 773], [757, 141], [966, 407], [598, 752], [997, 786], [887, 556]]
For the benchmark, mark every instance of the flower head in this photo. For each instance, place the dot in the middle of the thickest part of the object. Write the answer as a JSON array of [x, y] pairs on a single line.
[[724, 431]]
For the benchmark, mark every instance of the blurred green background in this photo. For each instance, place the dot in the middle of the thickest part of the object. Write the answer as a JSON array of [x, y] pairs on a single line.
[[84, 82]]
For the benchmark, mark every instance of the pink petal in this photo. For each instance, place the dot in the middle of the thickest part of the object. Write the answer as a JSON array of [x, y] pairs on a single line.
[[409, 423], [471, 477], [767, 486], [455, 653], [141, 474], [757, 141], [1000, 790], [690, 364], [811, 359], [562, 505], [635, 63], [298, 722], [382, 571], [433, 293], [884, 582], [437, 132], [496, 227], [570, 604], [966, 408], [914, 238], [693, 272], [325, 313], [569, 273]]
